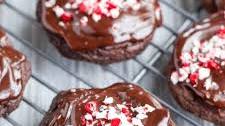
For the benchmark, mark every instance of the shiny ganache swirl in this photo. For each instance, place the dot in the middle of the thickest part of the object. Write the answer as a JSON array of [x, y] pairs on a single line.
[[85, 28], [10, 70], [199, 60], [214, 5], [117, 105]]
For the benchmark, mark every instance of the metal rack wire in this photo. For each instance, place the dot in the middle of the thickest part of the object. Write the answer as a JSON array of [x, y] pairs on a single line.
[[147, 67]]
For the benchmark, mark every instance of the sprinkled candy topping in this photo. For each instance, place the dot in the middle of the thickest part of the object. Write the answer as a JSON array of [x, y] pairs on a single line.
[[198, 65], [108, 113], [93, 8]]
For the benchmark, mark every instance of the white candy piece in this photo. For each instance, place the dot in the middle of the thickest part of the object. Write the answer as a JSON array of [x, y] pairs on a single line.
[[196, 43], [88, 117], [206, 47], [137, 122], [186, 57], [58, 11], [174, 77], [115, 13], [50, 3], [141, 116], [101, 115], [68, 6], [136, 7], [210, 85], [195, 50], [62, 24], [112, 114], [194, 67], [96, 17], [108, 100], [84, 20], [183, 74], [223, 63], [203, 73], [149, 108], [202, 59]]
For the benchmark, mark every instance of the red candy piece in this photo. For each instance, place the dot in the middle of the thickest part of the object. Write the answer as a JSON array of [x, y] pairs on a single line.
[[186, 64], [83, 8], [66, 17], [125, 111], [91, 107], [193, 78], [98, 11], [221, 33], [212, 65], [111, 5], [83, 121], [115, 122]]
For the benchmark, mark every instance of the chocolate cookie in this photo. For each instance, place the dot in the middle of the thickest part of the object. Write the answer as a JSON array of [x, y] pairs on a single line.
[[121, 104], [100, 31], [198, 69], [214, 5], [15, 71]]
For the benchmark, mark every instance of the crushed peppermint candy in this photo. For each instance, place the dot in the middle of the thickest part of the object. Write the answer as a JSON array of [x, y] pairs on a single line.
[[108, 100], [197, 64], [50, 3], [110, 113], [93, 8]]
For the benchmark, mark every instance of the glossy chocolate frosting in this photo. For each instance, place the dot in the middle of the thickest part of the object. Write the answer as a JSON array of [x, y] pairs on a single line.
[[11, 81], [69, 107], [129, 26], [214, 5], [203, 31]]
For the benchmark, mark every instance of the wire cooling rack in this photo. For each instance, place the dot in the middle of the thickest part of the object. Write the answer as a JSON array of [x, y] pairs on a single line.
[[146, 69]]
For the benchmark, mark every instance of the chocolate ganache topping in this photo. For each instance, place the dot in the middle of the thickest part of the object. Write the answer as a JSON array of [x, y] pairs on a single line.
[[89, 24], [199, 59], [214, 5], [117, 105], [11, 82]]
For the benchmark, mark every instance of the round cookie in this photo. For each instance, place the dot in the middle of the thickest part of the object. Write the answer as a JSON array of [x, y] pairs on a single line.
[[121, 104], [214, 5], [197, 70], [15, 71], [104, 31]]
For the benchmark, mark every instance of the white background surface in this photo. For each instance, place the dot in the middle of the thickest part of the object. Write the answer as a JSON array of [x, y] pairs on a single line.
[[29, 34]]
